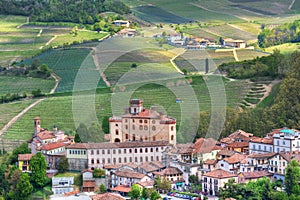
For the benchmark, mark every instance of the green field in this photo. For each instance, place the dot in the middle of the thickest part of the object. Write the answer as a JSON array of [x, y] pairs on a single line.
[[284, 48], [58, 110], [10, 110], [66, 63], [16, 84], [244, 54]]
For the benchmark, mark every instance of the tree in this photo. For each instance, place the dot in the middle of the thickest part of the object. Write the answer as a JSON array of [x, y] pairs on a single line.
[[63, 165], [292, 178], [133, 65], [24, 187], [38, 170], [98, 173], [77, 138], [146, 192], [135, 192], [22, 149], [155, 195], [83, 132], [102, 188], [105, 124]]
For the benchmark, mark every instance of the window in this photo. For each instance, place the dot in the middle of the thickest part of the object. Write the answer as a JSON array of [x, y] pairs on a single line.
[[117, 132], [205, 179], [108, 160], [119, 151], [172, 128], [141, 159], [126, 126], [146, 158], [70, 152], [97, 151], [157, 158], [141, 150], [126, 120], [145, 121], [117, 125], [154, 138], [130, 150], [153, 128], [133, 137], [133, 120], [135, 150], [120, 160], [145, 128], [172, 137], [153, 121], [126, 136], [151, 149], [115, 160], [133, 127], [124, 150], [278, 142], [98, 161], [114, 151], [141, 121], [92, 152], [130, 159], [141, 127], [156, 149], [108, 151], [146, 150], [265, 148], [136, 159], [103, 151], [84, 152], [125, 160], [151, 158], [92, 161], [283, 142]]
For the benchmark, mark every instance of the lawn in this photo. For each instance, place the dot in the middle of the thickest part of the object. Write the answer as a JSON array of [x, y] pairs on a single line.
[[18, 84], [284, 48]]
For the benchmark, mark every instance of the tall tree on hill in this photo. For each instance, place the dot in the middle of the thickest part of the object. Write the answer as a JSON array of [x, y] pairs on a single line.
[[38, 170], [292, 178], [22, 149]]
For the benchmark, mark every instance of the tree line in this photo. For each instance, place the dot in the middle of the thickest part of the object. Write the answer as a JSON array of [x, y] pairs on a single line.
[[77, 11], [288, 32]]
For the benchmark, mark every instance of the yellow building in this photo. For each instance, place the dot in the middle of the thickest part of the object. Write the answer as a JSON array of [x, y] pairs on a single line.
[[140, 124], [24, 161]]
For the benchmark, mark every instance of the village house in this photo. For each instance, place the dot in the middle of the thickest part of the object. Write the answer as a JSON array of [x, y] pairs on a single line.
[[174, 175], [24, 162], [128, 177], [62, 185], [141, 124], [123, 23], [237, 136], [88, 181], [107, 196], [205, 148], [225, 154], [228, 42], [260, 145], [279, 162], [245, 177], [216, 179], [232, 164], [256, 162], [286, 140], [127, 32], [242, 147]]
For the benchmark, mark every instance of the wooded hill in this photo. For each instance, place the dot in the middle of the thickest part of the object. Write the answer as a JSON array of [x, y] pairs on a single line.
[[77, 11]]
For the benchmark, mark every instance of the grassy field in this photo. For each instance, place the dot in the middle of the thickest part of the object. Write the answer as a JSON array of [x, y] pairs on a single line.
[[284, 48], [66, 63], [9, 110], [58, 110], [244, 54], [227, 31], [15, 84]]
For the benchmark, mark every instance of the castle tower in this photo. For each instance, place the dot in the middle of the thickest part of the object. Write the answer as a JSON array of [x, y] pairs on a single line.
[[37, 125], [136, 106]]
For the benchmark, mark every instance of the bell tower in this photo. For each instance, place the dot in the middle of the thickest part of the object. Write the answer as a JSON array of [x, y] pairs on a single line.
[[136, 106], [37, 125]]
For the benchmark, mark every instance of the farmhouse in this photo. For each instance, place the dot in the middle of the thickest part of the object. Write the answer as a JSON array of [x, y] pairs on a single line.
[[24, 161], [141, 124], [123, 23], [234, 43]]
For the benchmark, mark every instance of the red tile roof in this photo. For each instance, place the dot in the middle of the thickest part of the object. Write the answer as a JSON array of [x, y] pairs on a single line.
[[121, 188], [52, 146], [255, 175], [238, 145], [148, 167], [147, 183], [236, 158], [220, 174], [262, 140], [261, 155], [24, 156], [210, 162], [107, 196], [109, 145], [129, 174], [43, 135], [205, 145], [169, 171], [226, 152]]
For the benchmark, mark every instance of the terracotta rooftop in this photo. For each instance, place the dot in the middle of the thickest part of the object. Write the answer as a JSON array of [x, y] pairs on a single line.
[[107, 196], [147, 183], [121, 188], [220, 174], [254, 175], [132, 165], [210, 162], [239, 134], [288, 156], [261, 155], [77, 146], [238, 145], [52, 146], [24, 156], [187, 148], [129, 174], [262, 140], [205, 145], [169, 171], [148, 167], [236, 158], [157, 164], [112, 166], [87, 170], [226, 152], [44, 135]]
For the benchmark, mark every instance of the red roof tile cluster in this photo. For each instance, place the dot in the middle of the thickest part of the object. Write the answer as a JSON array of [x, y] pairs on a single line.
[[226, 153], [261, 155], [238, 145], [169, 171], [22, 157], [236, 158], [107, 196], [255, 175], [205, 145], [262, 140], [129, 174], [147, 183], [210, 162], [45, 134], [220, 174], [53, 145], [238, 135], [121, 188], [148, 167], [288, 156]]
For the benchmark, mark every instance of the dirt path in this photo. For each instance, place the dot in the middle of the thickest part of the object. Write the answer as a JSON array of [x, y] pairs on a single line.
[[99, 69], [268, 89], [235, 55], [15, 119], [178, 52], [49, 42], [290, 7]]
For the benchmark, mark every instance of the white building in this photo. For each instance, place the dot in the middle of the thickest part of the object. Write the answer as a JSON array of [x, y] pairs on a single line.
[[286, 140], [260, 145]]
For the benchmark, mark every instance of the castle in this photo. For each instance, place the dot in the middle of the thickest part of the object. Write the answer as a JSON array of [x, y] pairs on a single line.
[[141, 124]]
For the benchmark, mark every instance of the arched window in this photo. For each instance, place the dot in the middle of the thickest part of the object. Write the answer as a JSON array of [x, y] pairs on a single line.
[[117, 132], [172, 137], [117, 140]]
